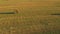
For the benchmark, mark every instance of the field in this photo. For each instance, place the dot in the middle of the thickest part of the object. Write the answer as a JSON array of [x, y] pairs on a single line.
[[33, 17]]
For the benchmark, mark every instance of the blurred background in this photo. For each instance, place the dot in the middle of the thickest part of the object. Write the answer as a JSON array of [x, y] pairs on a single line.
[[29, 16]]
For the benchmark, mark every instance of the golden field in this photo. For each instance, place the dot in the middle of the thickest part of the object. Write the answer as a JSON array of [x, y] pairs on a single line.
[[33, 17]]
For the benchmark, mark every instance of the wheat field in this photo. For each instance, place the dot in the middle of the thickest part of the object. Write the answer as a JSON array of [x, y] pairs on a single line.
[[32, 17]]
